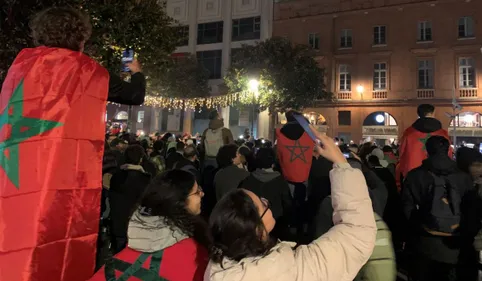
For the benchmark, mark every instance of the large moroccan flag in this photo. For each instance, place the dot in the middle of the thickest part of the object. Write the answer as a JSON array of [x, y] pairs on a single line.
[[52, 108]]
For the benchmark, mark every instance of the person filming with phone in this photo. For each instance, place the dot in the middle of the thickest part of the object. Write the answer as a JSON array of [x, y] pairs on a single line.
[[241, 222]]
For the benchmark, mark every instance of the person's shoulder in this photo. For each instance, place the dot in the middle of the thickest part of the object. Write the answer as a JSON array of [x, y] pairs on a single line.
[[188, 248], [417, 173]]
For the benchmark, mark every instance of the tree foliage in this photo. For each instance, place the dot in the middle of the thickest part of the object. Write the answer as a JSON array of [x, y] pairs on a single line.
[[288, 75], [139, 24]]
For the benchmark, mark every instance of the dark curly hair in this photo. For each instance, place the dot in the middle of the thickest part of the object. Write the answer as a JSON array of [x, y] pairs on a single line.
[[166, 197], [61, 27], [237, 229], [226, 154]]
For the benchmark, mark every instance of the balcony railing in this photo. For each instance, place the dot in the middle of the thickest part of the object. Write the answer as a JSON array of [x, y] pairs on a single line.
[[344, 95], [379, 95], [468, 93], [425, 93]]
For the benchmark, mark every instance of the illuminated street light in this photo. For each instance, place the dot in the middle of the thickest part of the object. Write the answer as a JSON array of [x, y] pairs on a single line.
[[360, 89], [253, 85], [380, 118]]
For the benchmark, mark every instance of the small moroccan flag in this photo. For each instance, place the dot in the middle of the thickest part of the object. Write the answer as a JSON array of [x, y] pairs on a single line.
[[52, 107]]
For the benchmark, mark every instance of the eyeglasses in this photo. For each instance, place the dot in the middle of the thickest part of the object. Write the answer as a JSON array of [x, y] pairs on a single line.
[[199, 192], [266, 204]]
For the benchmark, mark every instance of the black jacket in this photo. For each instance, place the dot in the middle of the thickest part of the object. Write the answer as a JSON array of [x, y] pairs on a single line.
[[427, 125], [126, 187], [416, 185], [189, 166], [172, 159], [272, 186], [130, 93]]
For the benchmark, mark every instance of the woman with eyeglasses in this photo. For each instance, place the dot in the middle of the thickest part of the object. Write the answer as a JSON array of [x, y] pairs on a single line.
[[243, 250], [167, 239]]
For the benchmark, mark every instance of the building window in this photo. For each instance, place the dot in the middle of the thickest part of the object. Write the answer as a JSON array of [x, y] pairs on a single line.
[[466, 73], [183, 36], [314, 41], [466, 27], [208, 33], [344, 118], [380, 76], [379, 35], [211, 60], [424, 31], [346, 39], [140, 117], [246, 29], [425, 74], [345, 78]]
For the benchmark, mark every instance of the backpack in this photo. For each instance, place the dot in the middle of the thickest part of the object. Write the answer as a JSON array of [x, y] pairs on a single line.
[[381, 266], [213, 141], [440, 208]]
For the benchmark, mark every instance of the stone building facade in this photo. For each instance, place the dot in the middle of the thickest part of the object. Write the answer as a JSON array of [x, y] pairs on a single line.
[[382, 58]]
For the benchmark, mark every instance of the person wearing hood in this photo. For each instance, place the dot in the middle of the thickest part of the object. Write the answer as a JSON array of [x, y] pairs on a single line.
[[435, 246], [269, 184], [126, 187], [294, 151], [175, 156], [168, 240], [213, 138], [412, 147]]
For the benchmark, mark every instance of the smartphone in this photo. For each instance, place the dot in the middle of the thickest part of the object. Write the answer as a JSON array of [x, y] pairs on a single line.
[[480, 147], [127, 57], [306, 126], [347, 155]]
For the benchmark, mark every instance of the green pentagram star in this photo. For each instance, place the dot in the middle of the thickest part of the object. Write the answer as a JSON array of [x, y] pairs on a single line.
[[424, 141], [22, 128], [294, 155]]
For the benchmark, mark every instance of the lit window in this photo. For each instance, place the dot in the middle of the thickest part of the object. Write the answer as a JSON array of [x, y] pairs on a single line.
[[466, 73], [345, 78], [380, 76], [140, 117]]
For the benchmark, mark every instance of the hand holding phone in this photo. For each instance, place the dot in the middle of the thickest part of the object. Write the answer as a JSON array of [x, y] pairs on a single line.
[[127, 57], [325, 145], [134, 66]]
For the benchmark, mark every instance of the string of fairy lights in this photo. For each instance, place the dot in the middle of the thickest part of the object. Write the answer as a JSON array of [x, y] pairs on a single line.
[[193, 103]]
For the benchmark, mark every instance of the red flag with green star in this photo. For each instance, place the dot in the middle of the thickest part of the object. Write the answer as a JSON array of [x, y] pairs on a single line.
[[52, 107], [413, 151]]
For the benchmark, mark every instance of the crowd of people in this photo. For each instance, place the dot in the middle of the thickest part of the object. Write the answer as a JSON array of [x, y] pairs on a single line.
[[220, 208]]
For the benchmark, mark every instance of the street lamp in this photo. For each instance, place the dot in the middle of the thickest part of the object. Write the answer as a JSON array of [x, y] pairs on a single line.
[[253, 86], [380, 118], [360, 89]]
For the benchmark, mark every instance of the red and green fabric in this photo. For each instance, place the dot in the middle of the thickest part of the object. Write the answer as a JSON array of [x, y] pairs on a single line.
[[52, 108], [186, 260], [295, 156], [412, 150]]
